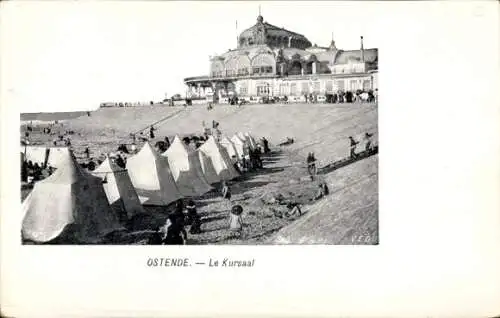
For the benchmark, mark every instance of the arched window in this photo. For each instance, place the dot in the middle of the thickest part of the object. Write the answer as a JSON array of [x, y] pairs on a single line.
[[231, 66], [309, 68], [263, 64], [243, 65], [295, 68], [217, 69]]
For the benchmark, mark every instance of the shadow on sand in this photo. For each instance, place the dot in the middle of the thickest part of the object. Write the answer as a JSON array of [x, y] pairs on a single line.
[[347, 161]]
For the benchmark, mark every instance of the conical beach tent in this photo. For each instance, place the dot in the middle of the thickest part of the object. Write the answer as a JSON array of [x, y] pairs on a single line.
[[241, 146], [36, 154], [246, 139], [69, 203], [220, 159], [208, 168], [231, 149], [150, 174], [186, 169], [251, 140], [57, 155], [119, 190]]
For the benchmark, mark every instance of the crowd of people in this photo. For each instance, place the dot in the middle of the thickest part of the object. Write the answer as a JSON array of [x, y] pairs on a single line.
[[32, 172]]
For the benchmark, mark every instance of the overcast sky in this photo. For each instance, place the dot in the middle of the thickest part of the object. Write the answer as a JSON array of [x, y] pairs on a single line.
[[73, 55]]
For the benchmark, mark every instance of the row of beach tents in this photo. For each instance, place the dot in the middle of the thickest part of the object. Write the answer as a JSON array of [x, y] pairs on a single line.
[[87, 205]]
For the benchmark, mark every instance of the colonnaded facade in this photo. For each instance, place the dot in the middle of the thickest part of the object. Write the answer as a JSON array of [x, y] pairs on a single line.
[[275, 62]]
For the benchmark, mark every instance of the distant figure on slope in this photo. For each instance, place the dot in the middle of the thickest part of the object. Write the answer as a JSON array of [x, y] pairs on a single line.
[[176, 234], [151, 132], [120, 162], [91, 165], [293, 208], [156, 238], [368, 141], [24, 171], [236, 220], [311, 164], [193, 218], [87, 152], [226, 192], [322, 191], [167, 142], [354, 143], [133, 148], [265, 143]]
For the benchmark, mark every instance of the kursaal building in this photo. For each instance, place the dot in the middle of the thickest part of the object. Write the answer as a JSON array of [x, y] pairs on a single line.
[[272, 61]]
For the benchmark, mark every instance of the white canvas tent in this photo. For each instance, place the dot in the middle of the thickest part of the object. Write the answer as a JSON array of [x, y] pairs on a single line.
[[150, 174], [208, 168], [241, 146], [186, 169], [231, 149], [220, 159], [251, 140], [119, 189], [36, 154], [246, 139], [57, 155], [70, 203]]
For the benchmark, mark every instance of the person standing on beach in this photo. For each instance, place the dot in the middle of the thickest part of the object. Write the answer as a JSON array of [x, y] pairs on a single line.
[[368, 141], [193, 218], [226, 192], [151, 132], [176, 233], [354, 143]]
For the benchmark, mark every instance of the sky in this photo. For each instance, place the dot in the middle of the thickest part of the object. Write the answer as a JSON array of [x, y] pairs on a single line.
[[64, 56]]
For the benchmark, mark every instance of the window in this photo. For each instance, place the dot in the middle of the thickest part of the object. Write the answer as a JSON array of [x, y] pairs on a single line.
[[263, 90], [340, 85], [305, 87], [293, 89], [283, 90], [256, 70], [316, 87], [353, 85], [243, 90], [366, 85], [266, 69], [243, 71], [329, 86]]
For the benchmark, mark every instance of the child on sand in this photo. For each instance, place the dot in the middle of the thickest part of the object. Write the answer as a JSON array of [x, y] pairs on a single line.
[[236, 221]]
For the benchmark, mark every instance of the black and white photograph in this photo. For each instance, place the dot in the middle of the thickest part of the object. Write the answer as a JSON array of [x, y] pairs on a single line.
[[273, 139], [221, 158]]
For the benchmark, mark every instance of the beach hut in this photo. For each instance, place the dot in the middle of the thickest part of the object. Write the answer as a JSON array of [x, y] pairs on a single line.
[[220, 159], [230, 148], [186, 169], [241, 147], [119, 189], [152, 179], [36, 154], [207, 167], [57, 156], [251, 140], [70, 204]]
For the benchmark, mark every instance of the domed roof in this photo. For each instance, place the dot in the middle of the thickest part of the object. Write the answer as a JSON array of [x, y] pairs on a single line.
[[267, 30]]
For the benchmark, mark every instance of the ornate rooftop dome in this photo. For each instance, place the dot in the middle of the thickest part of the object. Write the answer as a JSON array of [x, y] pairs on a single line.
[[273, 36]]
